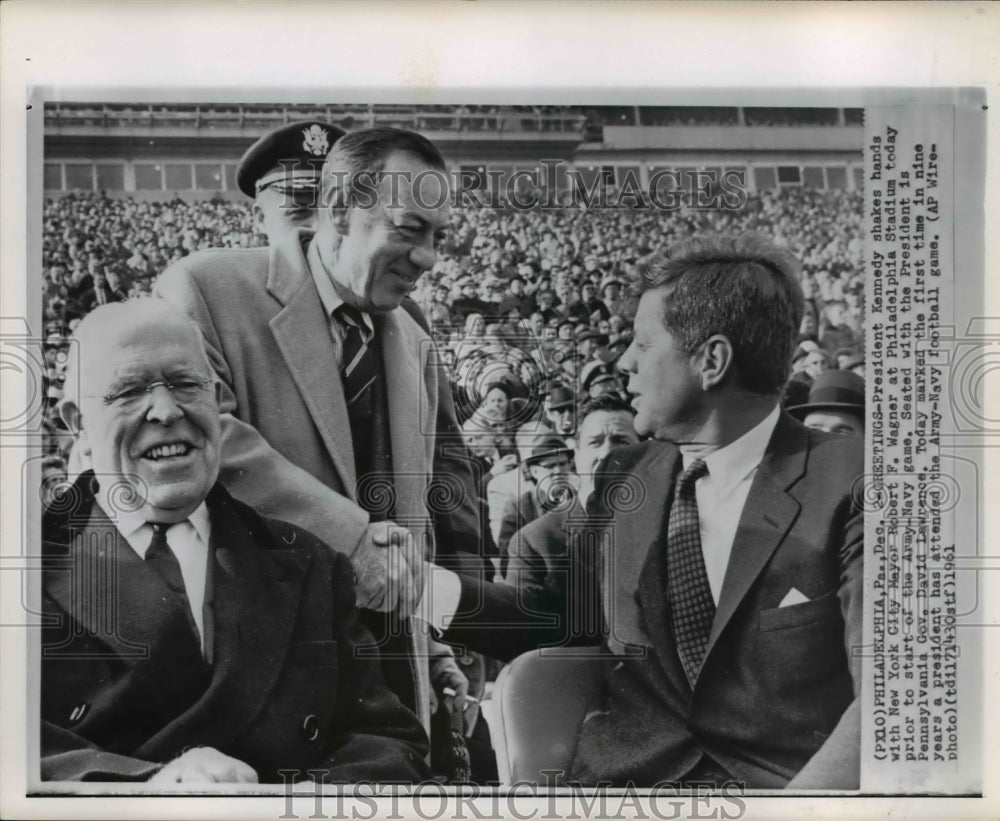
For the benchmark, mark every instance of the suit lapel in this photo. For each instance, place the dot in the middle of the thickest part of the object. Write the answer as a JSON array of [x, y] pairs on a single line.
[[113, 594], [768, 514], [302, 332], [636, 588], [256, 600], [412, 405]]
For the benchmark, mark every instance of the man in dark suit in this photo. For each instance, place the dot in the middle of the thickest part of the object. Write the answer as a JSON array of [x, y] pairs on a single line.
[[187, 638], [549, 467], [337, 415], [731, 582], [538, 553]]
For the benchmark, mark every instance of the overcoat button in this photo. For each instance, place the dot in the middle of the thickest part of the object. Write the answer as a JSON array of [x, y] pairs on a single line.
[[310, 727], [76, 716]]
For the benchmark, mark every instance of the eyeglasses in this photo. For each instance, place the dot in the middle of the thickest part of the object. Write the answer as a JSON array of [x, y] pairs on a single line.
[[553, 464], [182, 388]]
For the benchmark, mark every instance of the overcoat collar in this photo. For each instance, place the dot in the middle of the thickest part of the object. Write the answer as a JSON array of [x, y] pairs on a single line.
[[302, 332], [108, 591]]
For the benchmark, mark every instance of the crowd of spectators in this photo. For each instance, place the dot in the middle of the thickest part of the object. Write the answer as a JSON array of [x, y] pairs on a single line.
[[522, 303]]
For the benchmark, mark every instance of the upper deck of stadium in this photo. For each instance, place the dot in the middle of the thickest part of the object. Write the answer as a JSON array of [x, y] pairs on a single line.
[[176, 147]]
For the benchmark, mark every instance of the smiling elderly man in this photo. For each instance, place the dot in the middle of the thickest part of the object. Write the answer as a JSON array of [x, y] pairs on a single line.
[[186, 637]]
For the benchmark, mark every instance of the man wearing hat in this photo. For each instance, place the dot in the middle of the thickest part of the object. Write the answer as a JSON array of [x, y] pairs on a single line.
[[281, 172], [836, 404], [560, 411], [548, 465], [599, 379]]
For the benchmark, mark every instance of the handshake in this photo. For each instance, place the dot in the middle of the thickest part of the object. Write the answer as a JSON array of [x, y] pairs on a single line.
[[389, 569]]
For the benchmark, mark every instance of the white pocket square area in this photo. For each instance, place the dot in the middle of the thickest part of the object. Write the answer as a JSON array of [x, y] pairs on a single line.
[[793, 596]]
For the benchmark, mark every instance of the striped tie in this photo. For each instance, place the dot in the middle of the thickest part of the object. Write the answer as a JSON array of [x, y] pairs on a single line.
[[692, 607], [358, 367]]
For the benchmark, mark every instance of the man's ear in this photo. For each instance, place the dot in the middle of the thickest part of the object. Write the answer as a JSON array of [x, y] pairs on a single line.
[[69, 411], [258, 218], [334, 207], [716, 361], [340, 216], [71, 415]]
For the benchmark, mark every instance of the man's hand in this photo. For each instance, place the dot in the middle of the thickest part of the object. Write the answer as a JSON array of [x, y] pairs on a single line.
[[451, 687], [388, 569], [205, 765]]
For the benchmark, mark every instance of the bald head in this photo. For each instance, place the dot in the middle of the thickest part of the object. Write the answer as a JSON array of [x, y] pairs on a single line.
[[108, 326], [147, 414]]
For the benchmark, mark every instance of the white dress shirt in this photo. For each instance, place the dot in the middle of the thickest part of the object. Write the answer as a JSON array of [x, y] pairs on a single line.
[[439, 601], [722, 494], [331, 301], [188, 540]]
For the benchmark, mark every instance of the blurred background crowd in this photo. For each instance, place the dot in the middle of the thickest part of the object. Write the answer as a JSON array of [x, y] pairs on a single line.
[[530, 309]]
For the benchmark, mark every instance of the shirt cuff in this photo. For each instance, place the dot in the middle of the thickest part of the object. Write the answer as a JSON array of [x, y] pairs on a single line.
[[440, 598]]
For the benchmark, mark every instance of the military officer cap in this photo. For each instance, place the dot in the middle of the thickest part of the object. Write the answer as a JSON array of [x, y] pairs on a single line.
[[289, 158]]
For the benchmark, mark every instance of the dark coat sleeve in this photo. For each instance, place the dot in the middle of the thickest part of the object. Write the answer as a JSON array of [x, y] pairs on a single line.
[[528, 558], [69, 757], [452, 498], [504, 621], [377, 738], [511, 521]]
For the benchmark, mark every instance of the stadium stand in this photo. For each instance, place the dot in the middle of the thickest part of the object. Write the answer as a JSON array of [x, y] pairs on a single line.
[[119, 210]]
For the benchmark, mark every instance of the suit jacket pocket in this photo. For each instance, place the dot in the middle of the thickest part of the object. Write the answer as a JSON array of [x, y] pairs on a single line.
[[313, 654], [796, 615]]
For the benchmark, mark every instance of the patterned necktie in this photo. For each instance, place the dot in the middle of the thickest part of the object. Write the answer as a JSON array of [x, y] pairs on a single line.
[[357, 367], [162, 559], [692, 607]]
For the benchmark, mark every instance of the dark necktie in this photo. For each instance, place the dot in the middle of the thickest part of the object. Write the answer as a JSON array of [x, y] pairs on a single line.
[[357, 367], [162, 559], [692, 607], [360, 371]]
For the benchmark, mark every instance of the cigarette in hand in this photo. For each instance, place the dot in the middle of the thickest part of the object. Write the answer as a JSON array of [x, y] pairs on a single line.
[[449, 692]]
